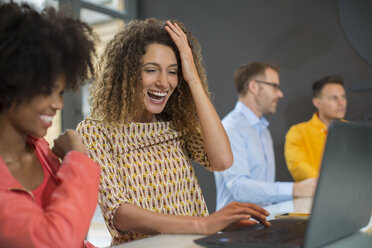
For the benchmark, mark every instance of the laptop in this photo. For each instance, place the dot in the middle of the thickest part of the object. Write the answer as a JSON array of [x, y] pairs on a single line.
[[342, 203]]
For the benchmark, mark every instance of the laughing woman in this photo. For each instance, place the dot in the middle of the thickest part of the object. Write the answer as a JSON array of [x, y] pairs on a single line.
[[150, 115], [43, 203]]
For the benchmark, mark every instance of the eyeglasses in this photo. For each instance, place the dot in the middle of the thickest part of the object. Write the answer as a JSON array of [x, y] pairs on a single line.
[[276, 86]]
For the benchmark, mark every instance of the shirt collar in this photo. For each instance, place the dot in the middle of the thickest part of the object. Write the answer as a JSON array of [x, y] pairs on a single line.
[[317, 122], [250, 116]]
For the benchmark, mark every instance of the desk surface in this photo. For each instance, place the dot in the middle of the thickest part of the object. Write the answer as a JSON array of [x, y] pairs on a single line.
[[300, 205]]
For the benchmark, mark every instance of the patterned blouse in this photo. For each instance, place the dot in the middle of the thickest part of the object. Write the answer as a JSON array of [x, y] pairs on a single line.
[[148, 165]]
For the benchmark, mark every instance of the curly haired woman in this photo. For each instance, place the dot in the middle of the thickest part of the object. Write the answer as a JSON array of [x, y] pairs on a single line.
[[151, 114], [44, 202]]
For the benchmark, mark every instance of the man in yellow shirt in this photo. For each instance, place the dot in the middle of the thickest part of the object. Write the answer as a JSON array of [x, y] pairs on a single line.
[[305, 141]]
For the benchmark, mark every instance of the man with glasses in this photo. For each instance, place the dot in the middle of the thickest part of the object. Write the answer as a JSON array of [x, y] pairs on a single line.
[[305, 141], [252, 176]]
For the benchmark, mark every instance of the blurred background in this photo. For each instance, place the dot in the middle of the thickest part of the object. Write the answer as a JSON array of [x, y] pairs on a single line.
[[308, 39]]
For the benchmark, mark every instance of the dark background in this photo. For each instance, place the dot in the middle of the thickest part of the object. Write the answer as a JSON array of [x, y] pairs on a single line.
[[308, 39]]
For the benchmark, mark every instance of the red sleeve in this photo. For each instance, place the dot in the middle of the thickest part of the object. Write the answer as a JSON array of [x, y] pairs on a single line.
[[64, 222]]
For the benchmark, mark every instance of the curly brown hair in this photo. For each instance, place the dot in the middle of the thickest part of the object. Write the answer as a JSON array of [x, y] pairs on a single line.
[[114, 94]]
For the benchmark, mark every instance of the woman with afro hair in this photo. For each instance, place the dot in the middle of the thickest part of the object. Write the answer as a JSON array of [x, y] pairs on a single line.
[[44, 202]]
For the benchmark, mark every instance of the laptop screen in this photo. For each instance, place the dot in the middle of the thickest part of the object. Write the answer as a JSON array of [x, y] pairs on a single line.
[[343, 200], [342, 203]]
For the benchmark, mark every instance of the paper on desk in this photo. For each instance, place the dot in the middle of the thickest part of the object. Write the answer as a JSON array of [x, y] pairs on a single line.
[[302, 216]]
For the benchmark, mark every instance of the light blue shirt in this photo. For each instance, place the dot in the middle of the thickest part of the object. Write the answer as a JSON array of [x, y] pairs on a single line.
[[252, 176]]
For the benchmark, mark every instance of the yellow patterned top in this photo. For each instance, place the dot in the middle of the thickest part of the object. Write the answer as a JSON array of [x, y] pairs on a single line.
[[148, 165]]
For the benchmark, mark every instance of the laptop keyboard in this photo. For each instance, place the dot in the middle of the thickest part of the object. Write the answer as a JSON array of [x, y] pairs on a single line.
[[281, 231]]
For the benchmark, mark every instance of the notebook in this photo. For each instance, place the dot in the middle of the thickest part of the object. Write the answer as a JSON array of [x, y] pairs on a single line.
[[342, 203]]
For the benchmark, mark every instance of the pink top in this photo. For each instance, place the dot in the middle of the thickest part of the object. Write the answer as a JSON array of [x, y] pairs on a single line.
[[38, 192], [68, 199]]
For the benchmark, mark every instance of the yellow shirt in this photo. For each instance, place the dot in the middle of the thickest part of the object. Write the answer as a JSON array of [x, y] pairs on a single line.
[[303, 150]]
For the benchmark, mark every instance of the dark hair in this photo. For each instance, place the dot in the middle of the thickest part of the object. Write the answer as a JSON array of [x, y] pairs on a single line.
[[247, 72], [331, 79], [36, 48], [114, 95]]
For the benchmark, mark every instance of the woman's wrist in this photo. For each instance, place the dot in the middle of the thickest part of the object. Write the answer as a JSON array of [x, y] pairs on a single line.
[[194, 82], [201, 225]]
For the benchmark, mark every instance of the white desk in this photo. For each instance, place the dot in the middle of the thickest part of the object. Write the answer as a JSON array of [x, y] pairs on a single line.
[[302, 205]]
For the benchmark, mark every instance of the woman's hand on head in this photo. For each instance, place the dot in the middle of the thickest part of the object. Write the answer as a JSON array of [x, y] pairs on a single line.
[[69, 140], [179, 37], [234, 216]]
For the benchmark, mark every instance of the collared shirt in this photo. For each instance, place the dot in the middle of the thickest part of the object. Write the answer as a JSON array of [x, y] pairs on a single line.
[[252, 176], [304, 144]]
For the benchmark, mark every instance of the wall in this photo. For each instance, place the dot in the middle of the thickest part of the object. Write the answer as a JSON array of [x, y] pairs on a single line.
[[304, 37]]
